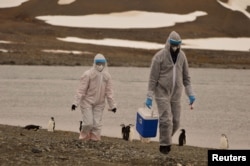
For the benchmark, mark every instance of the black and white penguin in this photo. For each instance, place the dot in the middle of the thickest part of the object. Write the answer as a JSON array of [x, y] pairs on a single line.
[[127, 132], [51, 124], [32, 127], [182, 137], [224, 142], [80, 127]]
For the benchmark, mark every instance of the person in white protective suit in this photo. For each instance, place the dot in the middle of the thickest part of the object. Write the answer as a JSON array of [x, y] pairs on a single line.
[[169, 72], [95, 86]]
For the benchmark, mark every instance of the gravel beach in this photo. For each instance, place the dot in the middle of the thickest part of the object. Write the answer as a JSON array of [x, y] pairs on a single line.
[[19, 146]]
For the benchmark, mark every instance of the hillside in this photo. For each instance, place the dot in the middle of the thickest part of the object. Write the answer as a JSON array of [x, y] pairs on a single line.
[[30, 35]]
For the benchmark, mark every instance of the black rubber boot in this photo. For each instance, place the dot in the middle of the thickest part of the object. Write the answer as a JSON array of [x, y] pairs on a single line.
[[165, 149]]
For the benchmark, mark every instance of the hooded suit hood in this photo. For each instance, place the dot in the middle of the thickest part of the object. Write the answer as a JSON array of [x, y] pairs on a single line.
[[99, 58], [173, 38]]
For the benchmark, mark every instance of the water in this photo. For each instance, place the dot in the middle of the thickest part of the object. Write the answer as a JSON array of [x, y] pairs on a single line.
[[32, 94]]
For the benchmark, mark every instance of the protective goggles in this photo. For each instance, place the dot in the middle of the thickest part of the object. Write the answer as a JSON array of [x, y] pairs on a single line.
[[100, 61], [174, 43]]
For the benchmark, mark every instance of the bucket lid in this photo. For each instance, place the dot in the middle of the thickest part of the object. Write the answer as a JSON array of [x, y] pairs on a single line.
[[147, 113]]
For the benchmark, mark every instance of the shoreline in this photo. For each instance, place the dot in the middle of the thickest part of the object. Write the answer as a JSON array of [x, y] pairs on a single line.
[[28, 147], [121, 57]]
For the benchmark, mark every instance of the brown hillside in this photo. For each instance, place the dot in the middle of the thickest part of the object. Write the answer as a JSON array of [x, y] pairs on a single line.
[[19, 25]]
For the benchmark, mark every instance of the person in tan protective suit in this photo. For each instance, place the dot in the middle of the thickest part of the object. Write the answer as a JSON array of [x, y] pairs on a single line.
[[169, 72], [95, 86]]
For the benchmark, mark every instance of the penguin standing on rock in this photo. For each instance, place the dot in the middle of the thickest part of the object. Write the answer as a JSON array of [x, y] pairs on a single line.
[[127, 132], [224, 142], [182, 137], [51, 124]]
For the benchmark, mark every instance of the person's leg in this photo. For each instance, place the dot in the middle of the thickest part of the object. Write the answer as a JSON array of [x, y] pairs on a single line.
[[165, 122], [95, 133], [87, 123], [165, 125], [176, 112]]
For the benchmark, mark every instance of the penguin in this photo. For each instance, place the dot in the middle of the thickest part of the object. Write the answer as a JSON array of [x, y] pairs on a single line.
[[182, 137], [80, 128], [127, 132], [224, 142], [32, 127], [51, 124]]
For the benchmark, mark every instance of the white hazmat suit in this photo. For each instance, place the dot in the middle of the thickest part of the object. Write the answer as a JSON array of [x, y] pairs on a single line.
[[167, 77], [95, 86]]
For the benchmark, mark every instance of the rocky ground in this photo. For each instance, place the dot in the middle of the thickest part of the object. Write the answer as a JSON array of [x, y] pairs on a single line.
[[19, 146]]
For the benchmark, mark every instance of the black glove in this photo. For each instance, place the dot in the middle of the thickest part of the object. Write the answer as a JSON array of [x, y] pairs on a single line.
[[73, 107], [114, 110]]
